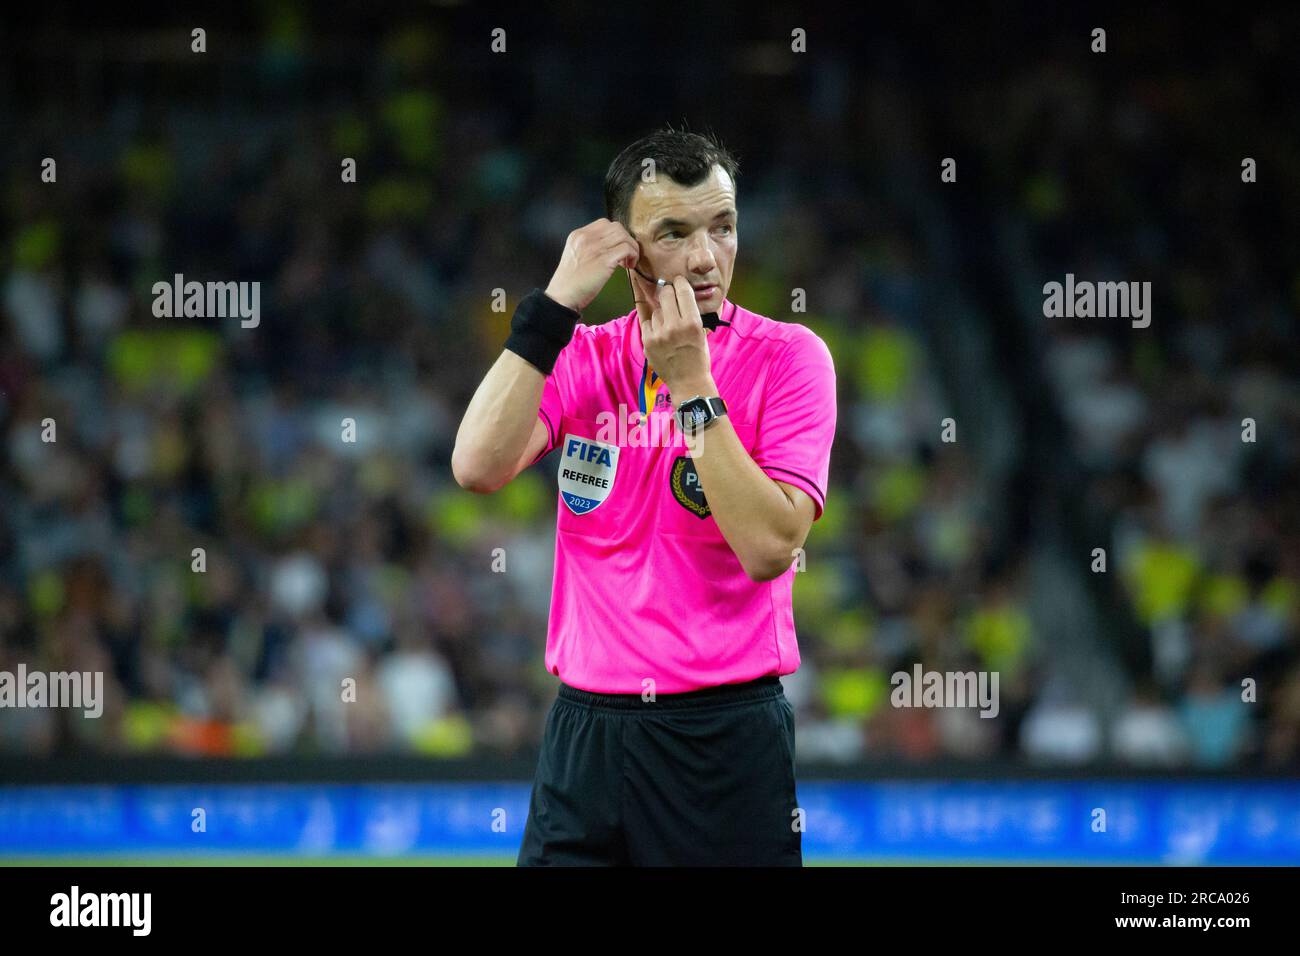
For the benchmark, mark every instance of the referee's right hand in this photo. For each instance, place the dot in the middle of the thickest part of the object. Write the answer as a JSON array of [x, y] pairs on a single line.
[[591, 254]]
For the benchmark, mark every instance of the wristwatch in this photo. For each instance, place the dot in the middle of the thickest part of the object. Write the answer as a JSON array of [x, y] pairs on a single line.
[[698, 413]]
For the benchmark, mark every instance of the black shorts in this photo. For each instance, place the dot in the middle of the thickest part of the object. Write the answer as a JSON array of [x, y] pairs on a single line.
[[704, 778]]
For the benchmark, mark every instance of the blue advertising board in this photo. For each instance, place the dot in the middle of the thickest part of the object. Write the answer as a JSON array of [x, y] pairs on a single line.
[[1127, 821]]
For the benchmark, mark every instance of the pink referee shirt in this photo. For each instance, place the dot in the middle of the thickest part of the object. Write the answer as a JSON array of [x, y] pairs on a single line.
[[646, 587]]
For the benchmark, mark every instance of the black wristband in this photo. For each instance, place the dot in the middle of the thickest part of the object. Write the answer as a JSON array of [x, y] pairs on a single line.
[[540, 329]]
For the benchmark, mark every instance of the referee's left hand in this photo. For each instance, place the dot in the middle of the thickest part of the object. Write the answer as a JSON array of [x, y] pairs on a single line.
[[673, 337]]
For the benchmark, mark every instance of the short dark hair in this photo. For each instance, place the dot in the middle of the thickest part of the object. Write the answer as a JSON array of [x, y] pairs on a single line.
[[684, 157]]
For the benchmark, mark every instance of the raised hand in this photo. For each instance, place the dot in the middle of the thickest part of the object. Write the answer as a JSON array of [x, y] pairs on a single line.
[[591, 254]]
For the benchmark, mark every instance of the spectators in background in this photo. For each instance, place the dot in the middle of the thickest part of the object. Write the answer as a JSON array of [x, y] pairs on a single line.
[[357, 571]]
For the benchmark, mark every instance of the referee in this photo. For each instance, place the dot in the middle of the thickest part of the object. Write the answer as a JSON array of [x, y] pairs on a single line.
[[694, 440]]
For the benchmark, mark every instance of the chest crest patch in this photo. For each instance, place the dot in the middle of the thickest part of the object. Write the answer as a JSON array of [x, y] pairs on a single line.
[[684, 483]]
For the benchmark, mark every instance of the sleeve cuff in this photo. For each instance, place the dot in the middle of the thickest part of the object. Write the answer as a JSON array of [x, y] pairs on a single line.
[[550, 436], [808, 486]]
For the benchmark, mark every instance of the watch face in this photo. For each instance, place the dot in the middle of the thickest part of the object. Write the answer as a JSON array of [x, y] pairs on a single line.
[[693, 414]]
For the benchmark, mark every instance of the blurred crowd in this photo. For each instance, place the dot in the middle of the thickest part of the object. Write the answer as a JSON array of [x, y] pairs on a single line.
[[252, 582], [1186, 434]]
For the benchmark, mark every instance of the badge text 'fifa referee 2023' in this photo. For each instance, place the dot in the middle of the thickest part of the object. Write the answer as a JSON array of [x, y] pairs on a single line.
[[694, 440]]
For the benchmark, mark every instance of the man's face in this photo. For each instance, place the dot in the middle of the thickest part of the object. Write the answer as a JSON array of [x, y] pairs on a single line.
[[688, 231]]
